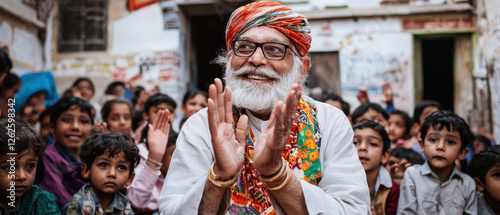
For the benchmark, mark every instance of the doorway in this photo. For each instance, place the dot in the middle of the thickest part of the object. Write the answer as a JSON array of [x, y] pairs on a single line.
[[437, 70]]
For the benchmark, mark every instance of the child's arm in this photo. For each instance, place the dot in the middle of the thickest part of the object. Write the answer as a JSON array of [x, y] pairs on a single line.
[[471, 197], [407, 194]]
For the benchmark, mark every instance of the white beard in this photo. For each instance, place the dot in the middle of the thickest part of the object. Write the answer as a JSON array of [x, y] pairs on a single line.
[[260, 98]]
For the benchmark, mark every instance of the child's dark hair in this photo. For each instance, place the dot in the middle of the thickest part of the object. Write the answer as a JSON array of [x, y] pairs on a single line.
[[10, 81], [66, 103], [193, 93], [45, 113], [411, 156], [5, 62], [77, 81], [109, 89], [362, 109], [440, 119], [346, 108], [137, 93], [377, 128], [137, 118], [484, 140], [110, 143], [406, 118], [108, 106], [483, 161], [419, 108], [157, 99], [24, 137]]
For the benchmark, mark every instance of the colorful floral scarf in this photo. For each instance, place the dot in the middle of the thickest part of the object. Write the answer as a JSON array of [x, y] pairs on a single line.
[[249, 196]]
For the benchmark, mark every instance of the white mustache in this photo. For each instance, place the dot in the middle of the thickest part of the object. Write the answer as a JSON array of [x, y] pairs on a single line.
[[246, 70]]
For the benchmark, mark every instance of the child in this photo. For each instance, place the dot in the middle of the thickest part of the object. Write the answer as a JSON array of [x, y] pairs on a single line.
[[481, 143], [337, 101], [400, 159], [422, 110], [70, 123], [45, 126], [399, 127], [155, 151], [38, 91], [485, 169], [19, 195], [372, 112], [437, 186], [84, 88], [372, 143], [5, 64], [8, 90], [192, 102], [108, 161], [117, 114]]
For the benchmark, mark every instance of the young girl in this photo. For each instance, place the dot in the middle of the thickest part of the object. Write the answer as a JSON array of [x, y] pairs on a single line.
[[71, 121], [372, 143], [23, 197], [8, 90], [84, 88], [155, 155], [399, 128], [117, 114]]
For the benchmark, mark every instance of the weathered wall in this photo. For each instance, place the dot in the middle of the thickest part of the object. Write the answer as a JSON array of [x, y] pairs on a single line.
[[372, 51], [489, 52], [135, 40]]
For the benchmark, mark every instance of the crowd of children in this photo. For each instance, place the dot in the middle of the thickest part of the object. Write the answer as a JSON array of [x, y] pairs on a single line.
[[74, 155]]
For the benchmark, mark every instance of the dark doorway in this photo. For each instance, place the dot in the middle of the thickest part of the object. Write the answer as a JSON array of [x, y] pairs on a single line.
[[437, 60]]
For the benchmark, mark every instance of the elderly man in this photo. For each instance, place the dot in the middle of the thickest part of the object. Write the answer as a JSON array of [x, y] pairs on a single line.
[[262, 147]]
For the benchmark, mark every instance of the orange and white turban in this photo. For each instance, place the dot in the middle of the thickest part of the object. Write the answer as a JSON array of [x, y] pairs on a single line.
[[273, 15]]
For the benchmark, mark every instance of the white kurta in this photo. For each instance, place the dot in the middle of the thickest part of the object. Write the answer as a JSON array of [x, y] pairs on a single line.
[[342, 190]]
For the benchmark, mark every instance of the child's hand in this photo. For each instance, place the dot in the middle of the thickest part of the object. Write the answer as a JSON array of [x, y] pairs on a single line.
[[363, 96], [387, 89], [486, 133], [158, 136], [103, 127], [398, 169]]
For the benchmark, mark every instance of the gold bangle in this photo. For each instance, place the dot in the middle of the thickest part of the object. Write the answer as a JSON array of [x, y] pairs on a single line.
[[284, 166], [219, 183], [289, 176]]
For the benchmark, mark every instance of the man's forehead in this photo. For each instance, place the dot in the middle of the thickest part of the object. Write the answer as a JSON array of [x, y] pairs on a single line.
[[265, 33]]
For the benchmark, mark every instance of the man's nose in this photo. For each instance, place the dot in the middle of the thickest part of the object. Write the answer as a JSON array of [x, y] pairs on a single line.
[[258, 57]]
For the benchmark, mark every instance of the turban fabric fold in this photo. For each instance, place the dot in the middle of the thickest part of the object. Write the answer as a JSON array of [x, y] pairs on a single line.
[[273, 15]]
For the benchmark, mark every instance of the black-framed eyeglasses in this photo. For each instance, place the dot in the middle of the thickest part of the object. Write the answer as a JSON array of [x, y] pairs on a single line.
[[271, 50]]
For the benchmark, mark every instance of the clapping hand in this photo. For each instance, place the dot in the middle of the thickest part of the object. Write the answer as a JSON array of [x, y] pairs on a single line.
[[158, 135]]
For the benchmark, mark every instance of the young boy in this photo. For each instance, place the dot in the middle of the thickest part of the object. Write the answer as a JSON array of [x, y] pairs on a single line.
[[372, 143], [400, 160], [18, 167], [372, 112], [108, 161], [71, 120], [438, 186], [485, 169]]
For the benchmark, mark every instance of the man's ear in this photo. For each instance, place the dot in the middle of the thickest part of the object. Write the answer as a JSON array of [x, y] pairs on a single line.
[[479, 184], [85, 171], [385, 156], [130, 179], [462, 153], [305, 67]]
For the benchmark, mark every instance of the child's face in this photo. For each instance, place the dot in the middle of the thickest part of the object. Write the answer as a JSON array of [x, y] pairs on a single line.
[[25, 171], [442, 148], [72, 128], [427, 112], [120, 118], [479, 146], [44, 126], [34, 107], [492, 183], [194, 104], [369, 145], [397, 127], [84, 89], [373, 116], [153, 112], [10, 93], [108, 174]]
